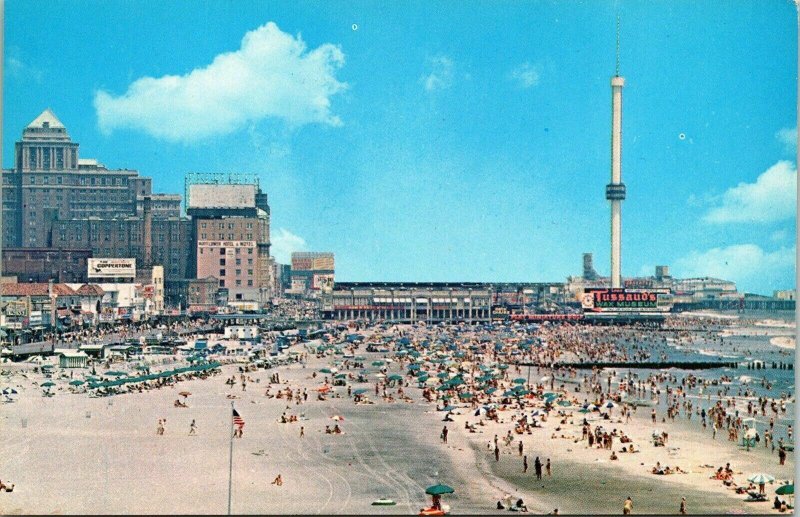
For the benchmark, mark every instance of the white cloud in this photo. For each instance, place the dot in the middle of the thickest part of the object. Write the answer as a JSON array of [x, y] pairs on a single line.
[[779, 235], [441, 74], [17, 68], [746, 264], [771, 198], [272, 75], [525, 75], [284, 243], [788, 136]]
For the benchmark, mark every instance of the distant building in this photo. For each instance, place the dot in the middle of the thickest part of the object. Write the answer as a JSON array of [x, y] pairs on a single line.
[[45, 264], [231, 226], [55, 200], [195, 294], [788, 294], [409, 302], [312, 272]]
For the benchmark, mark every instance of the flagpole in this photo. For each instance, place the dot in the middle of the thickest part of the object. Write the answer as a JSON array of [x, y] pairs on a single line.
[[230, 462]]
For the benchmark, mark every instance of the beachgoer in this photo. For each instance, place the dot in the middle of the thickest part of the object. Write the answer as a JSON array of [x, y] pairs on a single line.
[[547, 468], [496, 453], [627, 508], [682, 510], [192, 428], [524, 464], [537, 467], [444, 434], [277, 481], [302, 431]]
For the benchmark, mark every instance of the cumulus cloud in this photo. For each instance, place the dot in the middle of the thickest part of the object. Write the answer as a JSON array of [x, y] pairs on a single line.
[[771, 198], [440, 76], [284, 243], [272, 75], [746, 264], [525, 75], [788, 137]]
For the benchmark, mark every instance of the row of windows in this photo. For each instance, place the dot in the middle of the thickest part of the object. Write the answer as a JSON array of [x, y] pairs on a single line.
[[222, 251], [81, 180], [238, 284], [231, 226], [231, 236]]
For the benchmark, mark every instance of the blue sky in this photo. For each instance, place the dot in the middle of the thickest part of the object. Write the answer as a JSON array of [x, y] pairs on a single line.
[[444, 140]]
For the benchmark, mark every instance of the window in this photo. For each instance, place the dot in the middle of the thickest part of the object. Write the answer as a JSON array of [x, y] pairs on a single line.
[[230, 226], [249, 226], [59, 159], [222, 283], [221, 236], [230, 236], [222, 251], [238, 262], [92, 181], [46, 159], [249, 283], [249, 251], [250, 272], [222, 262], [46, 180], [249, 262], [202, 235], [203, 226], [238, 282], [59, 180], [221, 272], [249, 236], [238, 272]]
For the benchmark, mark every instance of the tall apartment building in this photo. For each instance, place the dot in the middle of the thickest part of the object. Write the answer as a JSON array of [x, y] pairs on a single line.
[[53, 199], [231, 228]]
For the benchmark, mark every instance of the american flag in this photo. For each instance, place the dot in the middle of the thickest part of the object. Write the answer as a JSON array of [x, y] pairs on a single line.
[[238, 421]]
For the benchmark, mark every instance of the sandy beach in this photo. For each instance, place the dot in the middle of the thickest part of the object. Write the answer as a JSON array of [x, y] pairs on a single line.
[[104, 455]]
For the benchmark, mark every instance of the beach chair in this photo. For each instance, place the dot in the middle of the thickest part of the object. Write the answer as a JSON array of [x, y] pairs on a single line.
[[756, 497]]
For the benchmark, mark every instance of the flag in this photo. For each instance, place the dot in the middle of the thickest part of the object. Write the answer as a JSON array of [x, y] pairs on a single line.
[[238, 421]]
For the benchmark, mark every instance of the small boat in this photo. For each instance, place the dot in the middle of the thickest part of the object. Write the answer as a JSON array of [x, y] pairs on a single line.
[[383, 501]]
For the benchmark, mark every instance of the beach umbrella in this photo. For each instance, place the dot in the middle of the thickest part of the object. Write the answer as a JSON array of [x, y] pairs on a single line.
[[465, 396], [490, 390], [47, 384], [519, 380], [439, 490], [395, 377], [610, 405], [503, 367], [448, 408], [76, 382], [377, 363], [443, 375], [785, 490], [564, 403], [360, 358], [522, 393], [184, 394], [326, 370], [761, 478], [360, 391]]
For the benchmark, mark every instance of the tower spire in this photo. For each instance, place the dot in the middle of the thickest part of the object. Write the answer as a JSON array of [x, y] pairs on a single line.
[[617, 69]]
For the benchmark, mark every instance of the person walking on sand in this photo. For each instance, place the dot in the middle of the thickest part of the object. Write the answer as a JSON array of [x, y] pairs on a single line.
[[547, 468], [444, 434], [537, 467], [302, 431], [525, 464], [682, 510], [192, 428], [520, 447], [496, 453], [627, 508]]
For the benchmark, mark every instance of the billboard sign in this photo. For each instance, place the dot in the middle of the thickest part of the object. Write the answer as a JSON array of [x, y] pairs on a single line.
[[222, 196], [226, 244], [625, 300], [638, 283], [323, 283], [15, 309], [112, 267]]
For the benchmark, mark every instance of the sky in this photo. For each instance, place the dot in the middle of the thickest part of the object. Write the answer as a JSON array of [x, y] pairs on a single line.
[[443, 140]]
